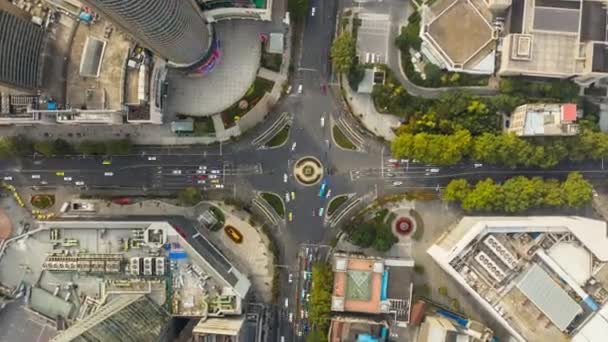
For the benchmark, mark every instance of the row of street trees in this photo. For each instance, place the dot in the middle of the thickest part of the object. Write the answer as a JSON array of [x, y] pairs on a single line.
[[506, 149], [21, 146], [519, 194], [319, 310]]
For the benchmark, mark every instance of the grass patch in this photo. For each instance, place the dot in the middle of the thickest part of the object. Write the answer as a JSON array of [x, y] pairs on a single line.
[[275, 202], [42, 201], [335, 203], [254, 94], [419, 232], [341, 139], [221, 219], [279, 138]]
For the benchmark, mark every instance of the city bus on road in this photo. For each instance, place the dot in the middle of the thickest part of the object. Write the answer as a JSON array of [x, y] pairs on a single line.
[[323, 188]]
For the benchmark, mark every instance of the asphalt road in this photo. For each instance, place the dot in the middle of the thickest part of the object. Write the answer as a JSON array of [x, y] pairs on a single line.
[[242, 167]]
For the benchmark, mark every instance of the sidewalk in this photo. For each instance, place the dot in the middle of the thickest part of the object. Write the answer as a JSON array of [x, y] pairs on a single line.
[[363, 108]]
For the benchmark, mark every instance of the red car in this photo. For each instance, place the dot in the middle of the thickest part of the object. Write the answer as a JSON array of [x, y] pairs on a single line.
[[122, 200]]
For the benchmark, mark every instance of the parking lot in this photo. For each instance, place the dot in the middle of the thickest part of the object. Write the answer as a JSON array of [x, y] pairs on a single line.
[[372, 37]]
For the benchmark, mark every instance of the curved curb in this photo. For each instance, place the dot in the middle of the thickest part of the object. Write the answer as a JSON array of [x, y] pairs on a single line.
[[264, 147], [259, 194], [348, 197], [333, 139], [320, 174]]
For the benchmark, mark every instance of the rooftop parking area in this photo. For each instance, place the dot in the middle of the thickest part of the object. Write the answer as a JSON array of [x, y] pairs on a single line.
[[459, 42]]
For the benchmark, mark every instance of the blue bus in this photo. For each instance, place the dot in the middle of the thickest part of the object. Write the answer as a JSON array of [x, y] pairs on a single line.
[[323, 188]]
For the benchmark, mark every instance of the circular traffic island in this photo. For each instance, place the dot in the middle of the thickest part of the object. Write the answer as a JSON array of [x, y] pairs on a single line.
[[42, 201], [308, 171], [404, 226]]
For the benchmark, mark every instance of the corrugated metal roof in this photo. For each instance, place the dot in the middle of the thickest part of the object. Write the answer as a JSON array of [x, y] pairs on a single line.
[[549, 297]]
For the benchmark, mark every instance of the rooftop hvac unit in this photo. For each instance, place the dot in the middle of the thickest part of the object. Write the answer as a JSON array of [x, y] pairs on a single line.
[[490, 266], [134, 266], [501, 251]]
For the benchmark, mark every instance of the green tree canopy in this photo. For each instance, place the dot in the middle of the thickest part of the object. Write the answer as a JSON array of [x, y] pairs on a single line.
[[577, 191], [120, 146], [189, 196], [319, 312], [92, 147], [343, 52], [45, 147], [456, 190]]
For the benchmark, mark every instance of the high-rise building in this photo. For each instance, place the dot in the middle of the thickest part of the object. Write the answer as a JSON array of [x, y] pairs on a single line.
[[173, 29]]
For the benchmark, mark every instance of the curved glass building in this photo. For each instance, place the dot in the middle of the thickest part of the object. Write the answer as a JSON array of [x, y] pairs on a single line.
[[172, 29]]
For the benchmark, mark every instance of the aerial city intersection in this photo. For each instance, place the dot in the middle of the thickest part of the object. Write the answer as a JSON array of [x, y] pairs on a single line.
[[303, 170]]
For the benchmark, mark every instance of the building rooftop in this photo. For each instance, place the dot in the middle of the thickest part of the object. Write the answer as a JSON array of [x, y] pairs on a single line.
[[549, 297], [558, 38], [359, 329], [219, 326], [460, 46], [523, 271], [372, 285], [548, 119], [21, 50]]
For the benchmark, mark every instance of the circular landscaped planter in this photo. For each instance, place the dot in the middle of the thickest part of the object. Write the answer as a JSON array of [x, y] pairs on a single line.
[[404, 226], [308, 171]]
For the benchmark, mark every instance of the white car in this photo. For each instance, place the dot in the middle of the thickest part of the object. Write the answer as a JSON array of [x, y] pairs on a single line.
[[322, 121], [176, 172], [67, 179], [312, 12], [108, 174], [151, 158], [293, 146], [35, 176], [44, 182], [214, 176], [8, 178], [393, 161], [201, 181], [397, 183], [217, 172], [321, 211], [286, 303], [478, 165], [79, 183], [300, 88], [287, 197], [290, 279], [328, 194], [219, 186], [201, 171], [290, 317], [284, 178]]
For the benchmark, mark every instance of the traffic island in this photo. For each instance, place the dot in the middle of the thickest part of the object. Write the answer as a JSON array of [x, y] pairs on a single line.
[[275, 202], [308, 171], [279, 139], [42, 201], [341, 140], [336, 203]]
